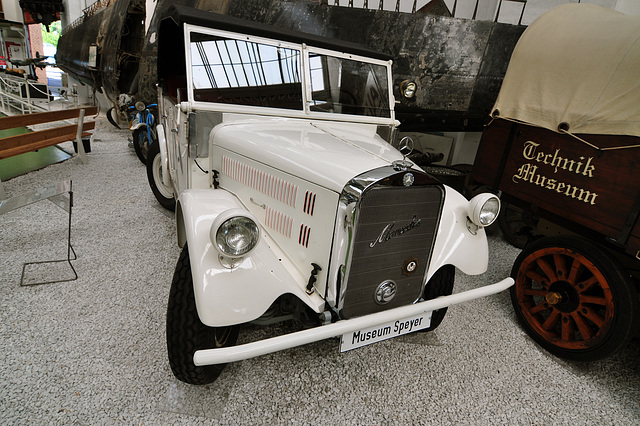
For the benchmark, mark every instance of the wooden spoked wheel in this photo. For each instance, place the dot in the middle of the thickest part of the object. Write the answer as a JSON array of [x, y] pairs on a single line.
[[573, 298]]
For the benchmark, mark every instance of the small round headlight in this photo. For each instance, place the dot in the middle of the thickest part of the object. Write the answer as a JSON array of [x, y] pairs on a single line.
[[484, 209], [408, 88], [235, 233], [140, 106]]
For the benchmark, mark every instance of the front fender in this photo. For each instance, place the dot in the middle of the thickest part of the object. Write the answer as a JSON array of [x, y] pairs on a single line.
[[455, 244], [224, 296], [137, 126]]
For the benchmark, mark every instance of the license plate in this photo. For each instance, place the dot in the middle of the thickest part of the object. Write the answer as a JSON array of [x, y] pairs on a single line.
[[357, 339]]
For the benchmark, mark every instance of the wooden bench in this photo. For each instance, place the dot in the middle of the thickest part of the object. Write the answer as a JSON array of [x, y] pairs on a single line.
[[32, 141]]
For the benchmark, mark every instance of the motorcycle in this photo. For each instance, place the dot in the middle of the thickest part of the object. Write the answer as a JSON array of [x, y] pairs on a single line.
[[143, 128]]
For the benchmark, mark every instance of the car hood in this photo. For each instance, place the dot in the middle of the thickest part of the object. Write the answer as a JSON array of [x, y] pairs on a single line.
[[328, 154]]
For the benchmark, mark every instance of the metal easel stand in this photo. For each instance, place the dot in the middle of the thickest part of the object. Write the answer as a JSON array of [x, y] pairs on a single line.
[[56, 194]]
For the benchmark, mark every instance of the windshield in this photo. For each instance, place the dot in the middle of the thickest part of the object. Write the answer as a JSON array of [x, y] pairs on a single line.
[[242, 72], [347, 86]]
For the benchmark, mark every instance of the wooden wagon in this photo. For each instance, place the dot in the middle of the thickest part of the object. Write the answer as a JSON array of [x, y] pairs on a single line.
[[562, 147]]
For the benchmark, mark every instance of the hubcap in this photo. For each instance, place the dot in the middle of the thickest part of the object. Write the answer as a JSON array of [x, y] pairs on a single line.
[[385, 292]]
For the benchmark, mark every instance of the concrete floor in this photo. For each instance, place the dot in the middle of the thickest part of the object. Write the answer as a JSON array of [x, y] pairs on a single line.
[[92, 351]]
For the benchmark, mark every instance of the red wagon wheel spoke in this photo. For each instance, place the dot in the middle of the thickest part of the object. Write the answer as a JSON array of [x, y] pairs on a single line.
[[568, 330], [547, 269], [584, 328], [535, 292], [533, 275], [588, 284], [593, 316], [561, 271], [539, 308], [594, 300], [551, 322], [576, 267]]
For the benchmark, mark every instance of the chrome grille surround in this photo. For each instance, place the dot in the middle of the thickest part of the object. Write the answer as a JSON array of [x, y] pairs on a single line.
[[382, 227]]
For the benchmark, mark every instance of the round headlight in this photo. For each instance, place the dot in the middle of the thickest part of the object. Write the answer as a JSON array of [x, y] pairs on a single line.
[[483, 209], [408, 88], [140, 106], [235, 235]]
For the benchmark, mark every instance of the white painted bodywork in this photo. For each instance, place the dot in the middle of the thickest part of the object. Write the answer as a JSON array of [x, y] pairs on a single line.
[[233, 296], [289, 173], [293, 148], [326, 153], [455, 244]]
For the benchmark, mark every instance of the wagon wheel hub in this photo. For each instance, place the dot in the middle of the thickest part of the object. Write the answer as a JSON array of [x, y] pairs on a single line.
[[563, 296], [553, 298]]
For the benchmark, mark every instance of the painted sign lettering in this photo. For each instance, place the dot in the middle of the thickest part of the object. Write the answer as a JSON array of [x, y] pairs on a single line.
[[536, 173]]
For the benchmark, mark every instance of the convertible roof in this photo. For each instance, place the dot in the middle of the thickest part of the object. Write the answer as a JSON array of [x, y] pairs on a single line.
[[577, 64], [183, 14]]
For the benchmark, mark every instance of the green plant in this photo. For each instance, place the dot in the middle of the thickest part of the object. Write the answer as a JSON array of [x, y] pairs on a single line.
[[52, 36]]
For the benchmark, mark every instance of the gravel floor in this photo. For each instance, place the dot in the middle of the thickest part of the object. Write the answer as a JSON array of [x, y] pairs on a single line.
[[92, 351]]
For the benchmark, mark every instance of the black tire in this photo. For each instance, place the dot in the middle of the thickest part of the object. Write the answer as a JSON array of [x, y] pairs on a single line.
[[163, 194], [573, 298], [110, 118], [440, 284], [141, 143], [186, 334]]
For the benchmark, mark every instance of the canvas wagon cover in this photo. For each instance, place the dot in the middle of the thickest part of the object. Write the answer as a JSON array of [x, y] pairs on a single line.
[[577, 64]]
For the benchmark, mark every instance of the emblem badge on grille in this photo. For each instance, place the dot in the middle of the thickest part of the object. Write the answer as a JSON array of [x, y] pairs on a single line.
[[410, 266], [408, 179], [388, 232], [385, 292]]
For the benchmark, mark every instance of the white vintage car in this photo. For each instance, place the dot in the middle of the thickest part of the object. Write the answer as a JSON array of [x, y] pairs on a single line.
[[275, 149]]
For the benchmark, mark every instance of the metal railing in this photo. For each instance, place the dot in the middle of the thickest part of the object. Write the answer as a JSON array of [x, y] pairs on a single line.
[[24, 96]]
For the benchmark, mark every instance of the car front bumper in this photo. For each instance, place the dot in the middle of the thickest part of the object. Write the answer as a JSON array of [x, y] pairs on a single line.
[[275, 344]]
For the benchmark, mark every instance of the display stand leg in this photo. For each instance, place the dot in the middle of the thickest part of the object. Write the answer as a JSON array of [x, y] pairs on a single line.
[[54, 194]]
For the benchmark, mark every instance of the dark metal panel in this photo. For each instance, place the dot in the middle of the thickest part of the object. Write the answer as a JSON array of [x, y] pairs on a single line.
[[118, 33], [495, 60], [458, 63], [72, 55]]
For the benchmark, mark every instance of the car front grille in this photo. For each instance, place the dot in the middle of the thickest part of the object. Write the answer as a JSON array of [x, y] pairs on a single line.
[[394, 230]]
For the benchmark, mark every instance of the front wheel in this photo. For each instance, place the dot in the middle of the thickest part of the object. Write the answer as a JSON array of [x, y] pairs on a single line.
[[186, 333], [141, 143], [440, 284], [573, 298], [163, 193]]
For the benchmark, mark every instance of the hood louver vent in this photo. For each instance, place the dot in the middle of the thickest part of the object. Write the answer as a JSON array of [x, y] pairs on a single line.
[[278, 221], [276, 188], [303, 237], [309, 203]]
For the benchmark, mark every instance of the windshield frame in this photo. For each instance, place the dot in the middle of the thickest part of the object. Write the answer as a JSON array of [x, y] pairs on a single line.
[[304, 51]]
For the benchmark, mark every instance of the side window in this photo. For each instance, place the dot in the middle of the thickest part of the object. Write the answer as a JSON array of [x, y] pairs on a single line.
[[246, 73], [346, 86]]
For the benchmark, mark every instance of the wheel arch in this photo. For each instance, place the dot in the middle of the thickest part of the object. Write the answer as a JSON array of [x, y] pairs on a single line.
[[232, 296]]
